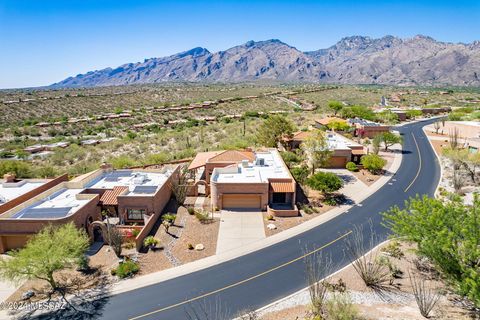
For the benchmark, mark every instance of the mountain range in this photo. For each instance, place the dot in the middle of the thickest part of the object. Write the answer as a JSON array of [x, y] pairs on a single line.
[[390, 60]]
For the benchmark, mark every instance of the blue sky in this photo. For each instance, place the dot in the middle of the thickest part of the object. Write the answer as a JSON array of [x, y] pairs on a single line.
[[46, 41]]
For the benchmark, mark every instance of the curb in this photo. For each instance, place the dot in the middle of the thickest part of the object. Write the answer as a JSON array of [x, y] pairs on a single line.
[[264, 309], [436, 193]]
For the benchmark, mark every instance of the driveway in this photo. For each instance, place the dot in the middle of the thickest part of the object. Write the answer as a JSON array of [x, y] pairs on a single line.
[[238, 228]]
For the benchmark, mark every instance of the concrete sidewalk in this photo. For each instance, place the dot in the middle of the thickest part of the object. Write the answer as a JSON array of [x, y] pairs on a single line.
[[239, 228]]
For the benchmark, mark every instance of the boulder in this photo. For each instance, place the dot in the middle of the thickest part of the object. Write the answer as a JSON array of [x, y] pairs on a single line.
[[199, 247], [28, 294], [271, 226]]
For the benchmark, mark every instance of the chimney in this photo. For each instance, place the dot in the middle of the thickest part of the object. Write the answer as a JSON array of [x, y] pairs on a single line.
[[9, 177], [106, 167]]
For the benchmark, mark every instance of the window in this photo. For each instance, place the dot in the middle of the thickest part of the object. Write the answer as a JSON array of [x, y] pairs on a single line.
[[135, 214]]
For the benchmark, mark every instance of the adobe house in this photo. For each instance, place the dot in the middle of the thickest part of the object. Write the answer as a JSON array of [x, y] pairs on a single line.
[[367, 129], [134, 196], [343, 149], [204, 163], [325, 122], [262, 183]]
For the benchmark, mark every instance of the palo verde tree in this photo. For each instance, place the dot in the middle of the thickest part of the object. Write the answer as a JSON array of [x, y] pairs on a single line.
[[51, 250], [335, 105], [373, 163], [325, 182], [448, 233], [316, 150], [389, 139], [273, 129]]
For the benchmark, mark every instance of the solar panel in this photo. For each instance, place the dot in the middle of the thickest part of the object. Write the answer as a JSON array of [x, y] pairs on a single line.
[[145, 189], [45, 213]]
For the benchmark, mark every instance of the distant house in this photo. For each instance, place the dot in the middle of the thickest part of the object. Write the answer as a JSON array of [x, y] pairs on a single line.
[[343, 150], [296, 139], [324, 122], [367, 129]]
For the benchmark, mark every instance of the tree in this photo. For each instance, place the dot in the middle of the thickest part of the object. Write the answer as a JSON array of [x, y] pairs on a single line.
[[373, 163], [388, 116], [389, 139], [273, 129], [377, 140], [51, 250], [316, 150], [335, 105], [325, 182], [413, 113], [463, 158], [300, 173], [448, 233], [115, 239]]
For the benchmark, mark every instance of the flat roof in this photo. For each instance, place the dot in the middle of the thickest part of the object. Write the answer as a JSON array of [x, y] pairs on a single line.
[[273, 167], [60, 204], [10, 191], [336, 141], [138, 182]]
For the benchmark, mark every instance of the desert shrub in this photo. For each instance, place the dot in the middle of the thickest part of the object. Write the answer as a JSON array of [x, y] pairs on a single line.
[[300, 173], [340, 307], [203, 217], [325, 182], [169, 217], [150, 241], [290, 158], [190, 246], [373, 163], [393, 250], [127, 269], [351, 166], [270, 217], [20, 168], [447, 232], [191, 211]]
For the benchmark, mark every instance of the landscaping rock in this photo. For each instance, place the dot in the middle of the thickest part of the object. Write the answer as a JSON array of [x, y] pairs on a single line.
[[271, 226], [28, 294], [199, 247]]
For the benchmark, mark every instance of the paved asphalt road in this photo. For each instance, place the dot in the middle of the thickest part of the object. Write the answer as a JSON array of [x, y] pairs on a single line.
[[259, 278]]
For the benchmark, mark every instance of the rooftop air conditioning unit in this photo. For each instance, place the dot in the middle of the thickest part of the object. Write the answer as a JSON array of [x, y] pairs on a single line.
[[245, 163]]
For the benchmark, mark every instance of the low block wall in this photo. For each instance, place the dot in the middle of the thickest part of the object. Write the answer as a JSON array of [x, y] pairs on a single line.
[[283, 213]]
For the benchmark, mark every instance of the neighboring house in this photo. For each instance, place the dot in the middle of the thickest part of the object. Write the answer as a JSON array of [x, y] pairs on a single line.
[[473, 145], [137, 197], [367, 129], [12, 188], [324, 122], [259, 183], [296, 139], [204, 163], [343, 150], [434, 111]]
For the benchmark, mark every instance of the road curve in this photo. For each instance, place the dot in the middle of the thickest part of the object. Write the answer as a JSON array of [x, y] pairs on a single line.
[[257, 279]]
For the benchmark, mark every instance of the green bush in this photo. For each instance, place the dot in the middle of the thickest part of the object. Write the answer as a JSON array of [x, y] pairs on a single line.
[[373, 163], [203, 217], [127, 269], [340, 307], [169, 217], [351, 166], [446, 232], [150, 241], [191, 210], [290, 158], [300, 173], [325, 182]]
